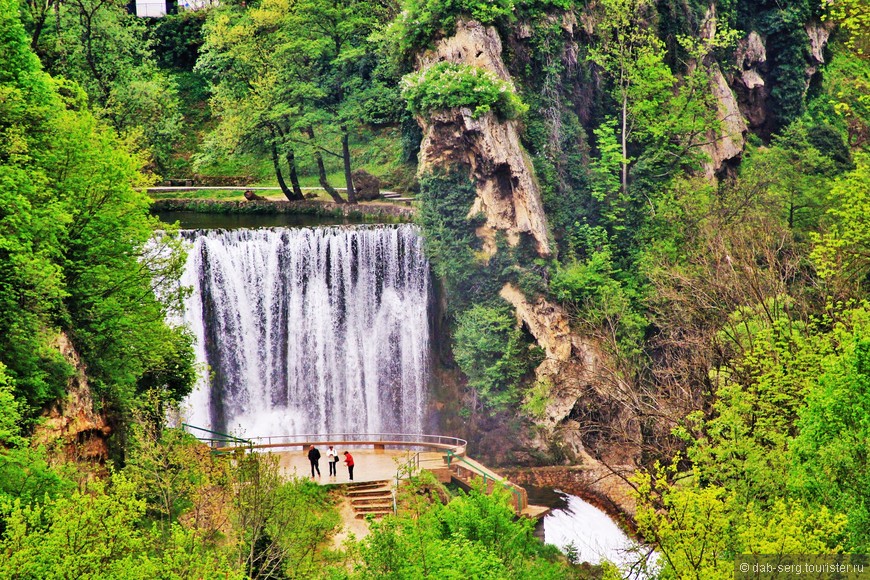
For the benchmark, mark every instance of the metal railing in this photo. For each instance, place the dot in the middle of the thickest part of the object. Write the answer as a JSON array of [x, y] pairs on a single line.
[[411, 439], [223, 440], [516, 493]]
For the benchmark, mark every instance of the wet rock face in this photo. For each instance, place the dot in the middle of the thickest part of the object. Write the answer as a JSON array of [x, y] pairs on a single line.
[[488, 148]]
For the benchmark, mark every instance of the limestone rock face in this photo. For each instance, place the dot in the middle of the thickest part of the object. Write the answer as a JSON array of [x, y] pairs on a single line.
[[818, 32], [749, 82], [574, 367], [507, 191], [727, 144], [81, 433]]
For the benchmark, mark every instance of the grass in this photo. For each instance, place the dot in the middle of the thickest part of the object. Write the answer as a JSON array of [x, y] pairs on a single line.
[[377, 151]]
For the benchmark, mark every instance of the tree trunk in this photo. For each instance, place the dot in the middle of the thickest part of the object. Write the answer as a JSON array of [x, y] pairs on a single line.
[[294, 177], [321, 170], [276, 164], [290, 156], [624, 144], [345, 155]]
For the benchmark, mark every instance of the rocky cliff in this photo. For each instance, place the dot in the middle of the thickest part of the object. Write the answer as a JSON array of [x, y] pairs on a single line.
[[592, 419], [70, 427], [507, 191]]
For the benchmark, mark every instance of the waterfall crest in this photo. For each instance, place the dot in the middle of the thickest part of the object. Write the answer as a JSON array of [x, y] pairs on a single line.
[[313, 330]]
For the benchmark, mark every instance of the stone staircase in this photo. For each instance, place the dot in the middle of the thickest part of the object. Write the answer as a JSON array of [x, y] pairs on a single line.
[[370, 498]]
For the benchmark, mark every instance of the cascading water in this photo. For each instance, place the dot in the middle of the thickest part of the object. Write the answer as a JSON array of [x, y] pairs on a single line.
[[305, 331]]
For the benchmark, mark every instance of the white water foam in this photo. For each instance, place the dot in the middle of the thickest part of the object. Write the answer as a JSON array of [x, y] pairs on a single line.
[[594, 535], [311, 330]]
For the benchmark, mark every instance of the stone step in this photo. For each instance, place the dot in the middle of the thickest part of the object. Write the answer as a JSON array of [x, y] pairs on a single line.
[[376, 515], [373, 508], [367, 485], [369, 493], [386, 499]]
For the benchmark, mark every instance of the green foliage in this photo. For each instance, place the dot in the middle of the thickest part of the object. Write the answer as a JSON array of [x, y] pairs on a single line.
[[829, 456], [422, 21], [447, 85], [838, 253], [758, 398], [600, 300], [104, 49], [699, 531], [787, 48], [853, 16], [294, 81], [96, 533], [264, 505], [796, 171], [448, 231], [177, 38], [846, 98], [488, 347], [77, 250], [10, 416], [473, 536]]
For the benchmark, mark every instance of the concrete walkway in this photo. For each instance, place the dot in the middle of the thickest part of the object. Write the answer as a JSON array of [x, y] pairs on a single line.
[[370, 464]]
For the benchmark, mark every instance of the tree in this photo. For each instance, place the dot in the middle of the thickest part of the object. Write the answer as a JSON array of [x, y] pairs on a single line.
[[106, 50], [474, 535], [629, 50], [258, 81], [294, 76], [488, 348], [78, 247], [839, 252], [283, 524], [829, 460]]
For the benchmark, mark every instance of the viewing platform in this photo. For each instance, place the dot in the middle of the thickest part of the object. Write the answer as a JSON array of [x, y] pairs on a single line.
[[378, 457]]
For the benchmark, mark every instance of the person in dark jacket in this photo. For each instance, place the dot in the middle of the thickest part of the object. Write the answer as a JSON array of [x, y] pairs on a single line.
[[314, 458], [348, 459]]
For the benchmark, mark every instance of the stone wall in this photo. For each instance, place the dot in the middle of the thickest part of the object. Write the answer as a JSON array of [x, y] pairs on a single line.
[[304, 207]]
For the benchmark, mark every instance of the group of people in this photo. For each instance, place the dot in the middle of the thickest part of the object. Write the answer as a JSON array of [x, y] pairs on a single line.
[[332, 459]]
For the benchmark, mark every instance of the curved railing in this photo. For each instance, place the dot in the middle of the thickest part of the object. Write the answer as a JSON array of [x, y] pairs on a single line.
[[442, 442]]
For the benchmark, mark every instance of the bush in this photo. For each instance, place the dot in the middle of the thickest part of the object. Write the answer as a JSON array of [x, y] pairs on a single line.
[[446, 85], [489, 350], [423, 20]]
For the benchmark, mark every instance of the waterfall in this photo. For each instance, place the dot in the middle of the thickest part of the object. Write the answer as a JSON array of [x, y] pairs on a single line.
[[312, 330]]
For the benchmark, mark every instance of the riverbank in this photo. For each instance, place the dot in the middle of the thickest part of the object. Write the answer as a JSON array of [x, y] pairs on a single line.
[[380, 212]]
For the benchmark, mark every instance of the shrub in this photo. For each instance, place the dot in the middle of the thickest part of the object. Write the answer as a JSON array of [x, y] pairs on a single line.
[[423, 20], [489, 350], [446, 85]]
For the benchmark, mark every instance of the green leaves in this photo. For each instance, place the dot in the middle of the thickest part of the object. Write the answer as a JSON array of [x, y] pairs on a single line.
[[830, 465], [446, 85], [489, 350], [475, 535], [840, 252], [421, 21]]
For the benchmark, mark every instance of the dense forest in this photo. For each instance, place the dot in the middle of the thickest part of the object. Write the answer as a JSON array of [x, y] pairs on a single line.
[[680, 189]]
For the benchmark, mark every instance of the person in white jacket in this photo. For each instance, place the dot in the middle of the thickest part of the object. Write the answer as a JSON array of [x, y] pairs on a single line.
[[332, 458]]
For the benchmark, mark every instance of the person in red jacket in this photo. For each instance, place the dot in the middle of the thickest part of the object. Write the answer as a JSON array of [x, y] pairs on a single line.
[[348, 459]]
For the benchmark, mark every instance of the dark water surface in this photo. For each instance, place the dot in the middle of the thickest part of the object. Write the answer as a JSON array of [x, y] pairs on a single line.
[[192, 220]]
